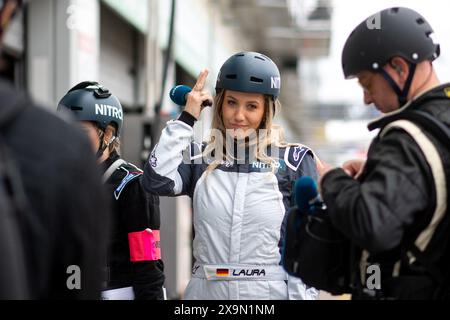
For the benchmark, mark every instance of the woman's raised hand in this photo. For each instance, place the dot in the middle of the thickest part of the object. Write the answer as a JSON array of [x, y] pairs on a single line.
[[198, 95]]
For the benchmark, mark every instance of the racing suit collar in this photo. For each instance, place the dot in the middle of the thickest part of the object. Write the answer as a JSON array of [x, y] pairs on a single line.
[[439, 92]]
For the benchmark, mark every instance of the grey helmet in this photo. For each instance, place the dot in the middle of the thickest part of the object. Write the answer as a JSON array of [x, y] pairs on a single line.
[[401, 32], [250, 72], [90, 101]]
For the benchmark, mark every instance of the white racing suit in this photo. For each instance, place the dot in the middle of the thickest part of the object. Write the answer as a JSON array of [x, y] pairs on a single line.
[[239, 211]]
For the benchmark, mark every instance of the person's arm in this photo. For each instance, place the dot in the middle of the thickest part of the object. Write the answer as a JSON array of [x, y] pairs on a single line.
[[165, 174], [376, 210], [140, 211]]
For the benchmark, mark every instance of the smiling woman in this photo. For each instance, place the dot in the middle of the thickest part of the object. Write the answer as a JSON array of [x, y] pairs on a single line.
[[241, 190], [246, 101], [242, 111]]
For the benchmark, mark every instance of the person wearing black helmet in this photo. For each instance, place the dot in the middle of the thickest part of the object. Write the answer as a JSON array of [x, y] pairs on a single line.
[[240, 181], [135, 268], [394, 205], [53, 222]]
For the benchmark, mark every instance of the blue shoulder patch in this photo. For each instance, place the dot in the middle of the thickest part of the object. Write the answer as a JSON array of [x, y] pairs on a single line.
[[128, 178], [294, 156]]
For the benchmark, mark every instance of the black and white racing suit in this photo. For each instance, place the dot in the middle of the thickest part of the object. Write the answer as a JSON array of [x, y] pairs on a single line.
[[239, 211], [135, 268]]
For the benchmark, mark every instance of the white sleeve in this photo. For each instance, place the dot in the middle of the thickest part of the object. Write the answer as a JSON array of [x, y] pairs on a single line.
[[162, 174]]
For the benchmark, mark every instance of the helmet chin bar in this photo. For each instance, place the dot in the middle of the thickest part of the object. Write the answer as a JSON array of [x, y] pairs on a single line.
[[402, 95]]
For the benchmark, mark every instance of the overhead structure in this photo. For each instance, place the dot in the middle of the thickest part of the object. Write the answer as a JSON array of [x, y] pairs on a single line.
[[287, 29]]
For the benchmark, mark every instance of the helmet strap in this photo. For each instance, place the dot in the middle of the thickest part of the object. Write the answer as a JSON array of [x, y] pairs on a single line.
[[101, 149], [402, 95]]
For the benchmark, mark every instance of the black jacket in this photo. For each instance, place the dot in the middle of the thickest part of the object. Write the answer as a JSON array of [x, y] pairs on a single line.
[[66, 222], [134, 211], [385, 210]]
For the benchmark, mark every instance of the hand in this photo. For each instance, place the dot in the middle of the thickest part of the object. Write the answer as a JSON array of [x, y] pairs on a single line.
[[354, 168], [197, 96], [322, 167]]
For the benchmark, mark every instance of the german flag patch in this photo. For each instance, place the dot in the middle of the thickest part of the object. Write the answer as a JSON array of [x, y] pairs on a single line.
[[222, 272]]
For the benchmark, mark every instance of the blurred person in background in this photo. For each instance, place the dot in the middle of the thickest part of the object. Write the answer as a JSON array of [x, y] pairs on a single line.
[[241, 189], [135, 268], [394, 206], [53, 211]]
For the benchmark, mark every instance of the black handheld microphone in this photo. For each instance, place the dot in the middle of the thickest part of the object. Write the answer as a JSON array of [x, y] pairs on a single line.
[[178, 96]]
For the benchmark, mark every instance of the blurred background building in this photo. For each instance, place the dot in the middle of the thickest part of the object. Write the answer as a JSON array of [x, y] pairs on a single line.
[[140, 49]]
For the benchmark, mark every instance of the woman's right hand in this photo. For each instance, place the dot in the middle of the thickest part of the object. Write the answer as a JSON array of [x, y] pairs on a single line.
[[197, 96]]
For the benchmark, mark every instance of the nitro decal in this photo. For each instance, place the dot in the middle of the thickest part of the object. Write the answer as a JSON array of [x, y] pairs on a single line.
[[275, 82], [267, 166], [108, 111]]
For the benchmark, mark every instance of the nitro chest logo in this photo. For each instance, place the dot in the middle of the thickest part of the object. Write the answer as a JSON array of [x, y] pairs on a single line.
[[249, 273], [108, 111], [267, 166], [275, 82]]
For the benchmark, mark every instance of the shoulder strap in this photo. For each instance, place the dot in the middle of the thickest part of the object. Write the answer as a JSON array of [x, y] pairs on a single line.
[[437, 169], [442, 133], [112, 168]]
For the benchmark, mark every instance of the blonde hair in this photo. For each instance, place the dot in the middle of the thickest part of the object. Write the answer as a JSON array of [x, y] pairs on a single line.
[[272, 136]]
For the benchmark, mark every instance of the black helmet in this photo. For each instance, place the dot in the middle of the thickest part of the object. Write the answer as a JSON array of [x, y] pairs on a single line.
[[90, 101], [250, 72], [401, 32]]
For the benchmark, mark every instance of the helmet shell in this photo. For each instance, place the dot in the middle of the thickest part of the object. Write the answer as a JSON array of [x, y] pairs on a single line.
[[400, 32], [90, 101], [250, 72]]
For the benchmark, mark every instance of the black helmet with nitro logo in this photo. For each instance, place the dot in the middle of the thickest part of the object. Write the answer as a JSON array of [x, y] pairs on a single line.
[[90, 101], [250, 72]]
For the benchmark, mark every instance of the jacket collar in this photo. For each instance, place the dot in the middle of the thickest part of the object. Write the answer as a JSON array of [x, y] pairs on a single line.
[[438, 92]]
